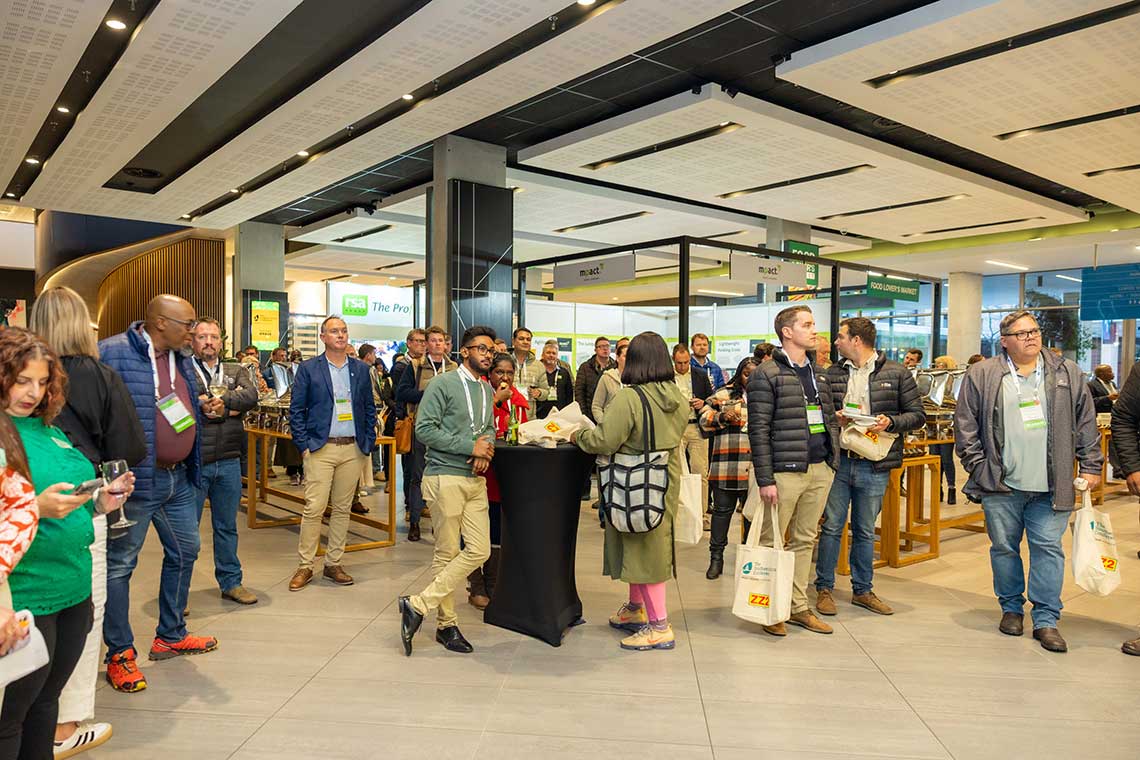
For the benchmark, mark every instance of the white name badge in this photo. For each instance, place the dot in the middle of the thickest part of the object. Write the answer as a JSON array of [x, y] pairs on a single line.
[[344, 410], [552, 394], [851, 406], [1032, 415], [815, 418], [175, 412]]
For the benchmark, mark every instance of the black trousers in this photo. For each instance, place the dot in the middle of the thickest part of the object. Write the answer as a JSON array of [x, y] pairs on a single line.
[[31, 704], [946, 451], [724, 506]]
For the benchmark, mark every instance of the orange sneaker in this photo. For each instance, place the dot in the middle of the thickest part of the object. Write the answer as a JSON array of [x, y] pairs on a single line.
[[123, 673], [164, 650]]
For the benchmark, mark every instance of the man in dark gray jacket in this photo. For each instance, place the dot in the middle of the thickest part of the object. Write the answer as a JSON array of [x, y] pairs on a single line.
[[870, 385], [221, 437], [794, 437], [1022, 418]]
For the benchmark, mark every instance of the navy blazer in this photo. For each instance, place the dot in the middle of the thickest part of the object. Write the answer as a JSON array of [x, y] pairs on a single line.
[[311, 406]]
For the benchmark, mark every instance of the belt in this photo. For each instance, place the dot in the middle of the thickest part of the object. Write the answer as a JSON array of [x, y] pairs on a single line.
[[168, 465], [853, 455], [343, 440]]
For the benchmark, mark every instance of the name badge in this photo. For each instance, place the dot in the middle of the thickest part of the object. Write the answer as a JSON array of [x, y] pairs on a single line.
[[344, 410], [815, 418], [851, 406], [1032, 415], [175, 412], [552, 394]]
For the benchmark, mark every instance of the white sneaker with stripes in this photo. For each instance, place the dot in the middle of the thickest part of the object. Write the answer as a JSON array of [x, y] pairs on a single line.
[[87, 736]]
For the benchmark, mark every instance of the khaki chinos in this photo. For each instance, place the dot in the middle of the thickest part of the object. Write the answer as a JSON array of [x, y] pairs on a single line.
[[331, 474], [697, 447], [802, 497]]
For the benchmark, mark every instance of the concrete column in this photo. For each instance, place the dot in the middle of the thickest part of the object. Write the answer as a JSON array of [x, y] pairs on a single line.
[[255, 260], [964, 336], [780, 230]]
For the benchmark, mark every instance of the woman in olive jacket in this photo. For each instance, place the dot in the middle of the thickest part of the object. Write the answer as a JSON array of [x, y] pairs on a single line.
[[643, 560]]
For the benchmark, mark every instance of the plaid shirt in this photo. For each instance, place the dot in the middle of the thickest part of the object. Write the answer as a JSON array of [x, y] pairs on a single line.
[[731, 463]]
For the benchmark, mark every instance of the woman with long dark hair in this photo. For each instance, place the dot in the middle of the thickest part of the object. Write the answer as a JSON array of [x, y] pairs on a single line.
[[726, 416], [643, 560]]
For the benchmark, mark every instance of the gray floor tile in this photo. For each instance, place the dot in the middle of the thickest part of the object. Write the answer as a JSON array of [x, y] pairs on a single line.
[[499, 746], [305, 739], [145, 735], [982, 738]]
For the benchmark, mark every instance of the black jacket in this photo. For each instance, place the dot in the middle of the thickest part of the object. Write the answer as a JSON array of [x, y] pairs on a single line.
[[1125, 454], [1101, 402], [99, 417], [893, 393], [222, 437], [777, 418], [586, 383]]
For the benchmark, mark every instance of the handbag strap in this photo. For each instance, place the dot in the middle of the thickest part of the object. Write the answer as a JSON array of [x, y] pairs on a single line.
[[648, 431]]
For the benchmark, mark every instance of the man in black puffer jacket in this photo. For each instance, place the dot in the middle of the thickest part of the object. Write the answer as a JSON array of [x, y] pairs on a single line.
[[868, 384], [794, 436]]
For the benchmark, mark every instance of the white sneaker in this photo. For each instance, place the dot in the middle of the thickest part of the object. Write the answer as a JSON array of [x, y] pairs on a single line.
[[87, 736]]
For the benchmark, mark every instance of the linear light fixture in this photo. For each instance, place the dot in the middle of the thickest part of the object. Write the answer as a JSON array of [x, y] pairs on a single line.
[[897, 277], [796, 181], [364, 233], [974, 226], [338, 277], [726, 234], [873, 273], [1113, 170], [1066, 123], [1067, 277], [1018, 267], [727, 293], [676, 142], [600, 222], [895, 206]]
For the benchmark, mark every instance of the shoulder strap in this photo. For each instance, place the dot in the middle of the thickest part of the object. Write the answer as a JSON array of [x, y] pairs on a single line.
[[648, 433]]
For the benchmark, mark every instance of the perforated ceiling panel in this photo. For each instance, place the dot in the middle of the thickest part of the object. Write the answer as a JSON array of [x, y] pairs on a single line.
[[902, 197], [40, 43], [1069, 75]]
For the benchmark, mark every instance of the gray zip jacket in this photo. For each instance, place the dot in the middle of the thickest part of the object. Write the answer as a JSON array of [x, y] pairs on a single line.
[[1071, 419]]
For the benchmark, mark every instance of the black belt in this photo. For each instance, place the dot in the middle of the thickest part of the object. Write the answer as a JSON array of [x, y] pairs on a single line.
[[168, 465], [343, 440], [853, 455]]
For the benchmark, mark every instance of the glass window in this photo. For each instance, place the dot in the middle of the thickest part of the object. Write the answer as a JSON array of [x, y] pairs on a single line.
[[1001, 292], [1060, 288]]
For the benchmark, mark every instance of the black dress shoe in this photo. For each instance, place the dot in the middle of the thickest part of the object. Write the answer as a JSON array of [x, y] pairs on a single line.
[[1050, 639], [1012, 624], [414, 532], [952, 497], [453, 640], [410, 622]]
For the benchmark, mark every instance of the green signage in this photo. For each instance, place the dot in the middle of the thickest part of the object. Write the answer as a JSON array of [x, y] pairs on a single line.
[[805, 249], [898, 290], [354, 305]]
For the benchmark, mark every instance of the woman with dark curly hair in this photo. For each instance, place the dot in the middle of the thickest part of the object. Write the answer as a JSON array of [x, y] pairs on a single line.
[[53, 580]]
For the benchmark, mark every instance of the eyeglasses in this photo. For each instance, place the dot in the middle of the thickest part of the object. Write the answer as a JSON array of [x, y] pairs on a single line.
[[480, 348], [187, 323], [1025, 335]]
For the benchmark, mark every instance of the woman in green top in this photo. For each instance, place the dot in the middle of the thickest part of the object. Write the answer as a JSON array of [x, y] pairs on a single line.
[[53, 580], [643, 560]]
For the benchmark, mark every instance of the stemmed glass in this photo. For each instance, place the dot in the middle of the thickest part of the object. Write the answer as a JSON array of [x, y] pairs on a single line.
[[112, 471]]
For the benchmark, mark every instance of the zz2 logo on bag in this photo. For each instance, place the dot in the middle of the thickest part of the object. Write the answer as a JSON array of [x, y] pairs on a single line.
[[1109, 563], [759, 600]]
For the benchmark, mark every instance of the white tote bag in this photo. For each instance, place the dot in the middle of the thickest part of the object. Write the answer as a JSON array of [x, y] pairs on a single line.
[[1095, 565], [689, 525], [764, 576]]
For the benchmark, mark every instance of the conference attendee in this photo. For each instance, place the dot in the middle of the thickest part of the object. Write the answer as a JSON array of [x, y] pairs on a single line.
[[161, 382], [527, 366], [699, 344], [1022, 418], [912, 359], [794, 436], [608, 386], [1103, 388], [508, 401], [367, 486], [643, 560], [822, 352], [725, 417], [249, 360], [869, 384], [1126, 445], [53, 579], [695, 388], [333, 422], [946, 450], [763, 352], [501, 346], [221, 435], [974, 360], [19, 521], [295, 359], [409, 391], [278, 373], [386, 412], [455, 423], [554, 387], [590, 374], [98, 417], [447, 347], [416, 342]]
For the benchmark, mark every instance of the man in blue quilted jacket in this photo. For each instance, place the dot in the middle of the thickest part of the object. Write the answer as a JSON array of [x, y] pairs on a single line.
[[153, 359]]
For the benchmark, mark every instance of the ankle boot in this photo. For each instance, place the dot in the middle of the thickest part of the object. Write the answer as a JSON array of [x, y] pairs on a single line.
[[716, 564], [952, 496], [491, 572], [718, 539], [477, 595]]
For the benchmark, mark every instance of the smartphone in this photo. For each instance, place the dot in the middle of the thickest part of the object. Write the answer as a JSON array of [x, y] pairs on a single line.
[[87, 487]]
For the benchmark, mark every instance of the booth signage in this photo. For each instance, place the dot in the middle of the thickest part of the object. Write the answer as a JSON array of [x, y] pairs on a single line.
[[1111, 292], [748, 268], [805, 249], [574, 274], [264, 323], [378, 305], [898, 290]]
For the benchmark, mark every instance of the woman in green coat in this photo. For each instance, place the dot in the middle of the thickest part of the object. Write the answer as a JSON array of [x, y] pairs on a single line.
[[643, 560]]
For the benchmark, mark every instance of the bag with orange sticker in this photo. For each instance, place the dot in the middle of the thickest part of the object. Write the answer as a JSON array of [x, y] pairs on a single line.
[[763, 575], [1096, 567]]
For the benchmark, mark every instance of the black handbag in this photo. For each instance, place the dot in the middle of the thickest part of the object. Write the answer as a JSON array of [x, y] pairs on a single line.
[[634, 485]]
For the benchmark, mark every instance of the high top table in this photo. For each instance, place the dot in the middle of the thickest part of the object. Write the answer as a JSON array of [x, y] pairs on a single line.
[[535, 592]]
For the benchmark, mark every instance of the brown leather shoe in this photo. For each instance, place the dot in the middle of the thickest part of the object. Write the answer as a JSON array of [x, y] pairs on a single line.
[[1050, 639], [807, 619], [240, 594], [414, 532], [779, 629], [359, 509], [301, 578], [337, 575], [1131, 647], [873, 603], [1012, 624], [479, 601], [825, 602]]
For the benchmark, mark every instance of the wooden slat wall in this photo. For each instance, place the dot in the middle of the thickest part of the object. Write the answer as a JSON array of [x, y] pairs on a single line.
[[193, 269]]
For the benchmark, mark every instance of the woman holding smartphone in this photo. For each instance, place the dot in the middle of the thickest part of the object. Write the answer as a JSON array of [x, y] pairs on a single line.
[[53, 580]]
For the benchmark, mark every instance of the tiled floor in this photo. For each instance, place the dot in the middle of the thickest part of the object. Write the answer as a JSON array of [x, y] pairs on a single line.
[[320, 673]]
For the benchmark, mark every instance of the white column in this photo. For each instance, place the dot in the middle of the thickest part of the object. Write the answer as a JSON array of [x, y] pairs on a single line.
[[964, 336]]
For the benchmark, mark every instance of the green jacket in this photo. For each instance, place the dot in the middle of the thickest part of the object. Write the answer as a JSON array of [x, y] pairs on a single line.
[[642, 557], [444, 425]]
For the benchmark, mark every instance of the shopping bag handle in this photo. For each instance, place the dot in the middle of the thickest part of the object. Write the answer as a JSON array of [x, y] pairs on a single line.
[[753, 537]]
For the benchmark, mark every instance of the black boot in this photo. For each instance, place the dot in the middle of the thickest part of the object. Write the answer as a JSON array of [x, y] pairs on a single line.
[[718, 539], [952, 497], [716, 564]]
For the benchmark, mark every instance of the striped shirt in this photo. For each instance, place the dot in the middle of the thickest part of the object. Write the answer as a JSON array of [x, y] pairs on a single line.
[[731, 464]]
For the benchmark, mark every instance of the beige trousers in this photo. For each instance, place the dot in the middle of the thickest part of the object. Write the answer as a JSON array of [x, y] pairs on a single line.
[[698, 450], [331, 474], [458, 506], [802, 497]]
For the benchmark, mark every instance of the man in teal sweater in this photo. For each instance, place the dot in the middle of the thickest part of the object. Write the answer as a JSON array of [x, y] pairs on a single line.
[[455, 422]]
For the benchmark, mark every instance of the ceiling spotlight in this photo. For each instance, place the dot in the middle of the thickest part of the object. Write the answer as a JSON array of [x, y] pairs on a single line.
[[303, 153], [63, 109], [1007, 266], [117, 25], [32, 161], [1034, 239], [235, 190], [10, 195], [586, 2], [184, 216], [408, 96], [615, 297]]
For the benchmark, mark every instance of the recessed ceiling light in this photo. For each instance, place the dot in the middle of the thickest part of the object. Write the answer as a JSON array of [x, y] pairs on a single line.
[[614, 298], [408, 96], [1034, 239], [117, 25], [63, 109], [32, 161], [1138, 248], [10, 195], [1067, 277], [586, 2], [303, 153], [234, 190], [721, 293], [1008, 266], [1116, 230]]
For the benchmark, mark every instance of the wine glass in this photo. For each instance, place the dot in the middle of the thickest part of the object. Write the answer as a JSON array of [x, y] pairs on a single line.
[[112, 471], [217, 390]]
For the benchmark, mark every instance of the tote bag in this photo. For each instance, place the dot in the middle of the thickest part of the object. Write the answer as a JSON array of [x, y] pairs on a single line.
[[763, 591], [689, 524], [634, 485], [1096, 568]]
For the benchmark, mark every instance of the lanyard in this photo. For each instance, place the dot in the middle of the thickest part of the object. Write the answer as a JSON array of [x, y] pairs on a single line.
[[464, 375], [1017, 378], [814, 384], [435, 371], [154, 365], [208, 374], [1110, 389]]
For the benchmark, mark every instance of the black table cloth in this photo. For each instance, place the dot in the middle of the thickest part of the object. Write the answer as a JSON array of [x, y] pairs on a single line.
[[535, 592]]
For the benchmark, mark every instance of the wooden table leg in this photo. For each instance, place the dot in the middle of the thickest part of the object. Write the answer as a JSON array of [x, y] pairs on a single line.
[[257, 488], [842, 566]]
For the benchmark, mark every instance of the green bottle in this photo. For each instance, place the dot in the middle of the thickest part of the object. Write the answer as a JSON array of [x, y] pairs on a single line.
[[513, 425]]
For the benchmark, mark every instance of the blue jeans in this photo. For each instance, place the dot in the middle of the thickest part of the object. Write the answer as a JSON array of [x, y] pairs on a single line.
[[172, 507], [859, 486], [1008, 516], [221, 483]]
